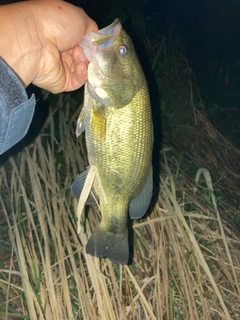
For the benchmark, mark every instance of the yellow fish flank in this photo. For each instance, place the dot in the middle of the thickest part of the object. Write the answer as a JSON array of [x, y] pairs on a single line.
[[117, 121]]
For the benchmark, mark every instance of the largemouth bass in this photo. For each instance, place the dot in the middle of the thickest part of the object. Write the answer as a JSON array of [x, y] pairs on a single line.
[[116, 117]]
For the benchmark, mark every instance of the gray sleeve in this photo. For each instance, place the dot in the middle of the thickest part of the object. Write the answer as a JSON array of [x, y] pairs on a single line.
[[16, 110]]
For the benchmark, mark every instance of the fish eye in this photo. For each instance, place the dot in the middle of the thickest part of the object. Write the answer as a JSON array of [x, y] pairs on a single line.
[[123, 50]]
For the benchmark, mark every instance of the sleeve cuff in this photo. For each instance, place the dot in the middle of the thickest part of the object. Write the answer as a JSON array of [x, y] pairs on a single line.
[[16, 110]]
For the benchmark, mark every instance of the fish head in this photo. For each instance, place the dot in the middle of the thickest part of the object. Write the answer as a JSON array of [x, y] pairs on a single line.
[[114, 72]]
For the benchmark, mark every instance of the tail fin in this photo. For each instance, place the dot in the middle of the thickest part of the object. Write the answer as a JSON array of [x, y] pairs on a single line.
[[109, 245]]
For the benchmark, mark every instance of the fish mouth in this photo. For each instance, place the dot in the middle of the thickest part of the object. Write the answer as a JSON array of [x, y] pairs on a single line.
[[101, 40], [104, 35]]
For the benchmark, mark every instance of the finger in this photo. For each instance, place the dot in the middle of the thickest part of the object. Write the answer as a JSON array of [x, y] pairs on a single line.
[[78, 77], [75, 73], [81, 72], [78, 55]]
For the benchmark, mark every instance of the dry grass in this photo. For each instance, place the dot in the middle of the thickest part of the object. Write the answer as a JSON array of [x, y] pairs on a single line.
[[186, 259]]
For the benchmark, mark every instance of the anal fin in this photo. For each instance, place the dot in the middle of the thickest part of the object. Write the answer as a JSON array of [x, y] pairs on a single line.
[[139, 205]]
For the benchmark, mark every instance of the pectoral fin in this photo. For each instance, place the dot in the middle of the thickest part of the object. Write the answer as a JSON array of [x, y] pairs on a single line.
[[88, 103], [139, 205], [81, 122], [78, 185]]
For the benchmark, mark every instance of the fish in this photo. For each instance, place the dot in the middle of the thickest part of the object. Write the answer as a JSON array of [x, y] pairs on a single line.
[[116, 117]]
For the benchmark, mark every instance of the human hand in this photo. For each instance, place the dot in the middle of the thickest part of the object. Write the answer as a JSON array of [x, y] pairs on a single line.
[[39, 41]]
